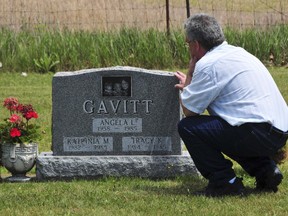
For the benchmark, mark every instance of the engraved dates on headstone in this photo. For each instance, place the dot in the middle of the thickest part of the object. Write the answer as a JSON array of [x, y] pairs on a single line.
[[117, 125], [146, 144], [88, 144]]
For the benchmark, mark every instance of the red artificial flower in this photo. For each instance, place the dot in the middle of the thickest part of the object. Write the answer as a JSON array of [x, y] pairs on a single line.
[[14, 132], [26, 109], [31, 114], [20, 107], [11, 103], [16, 127], [15, 118]]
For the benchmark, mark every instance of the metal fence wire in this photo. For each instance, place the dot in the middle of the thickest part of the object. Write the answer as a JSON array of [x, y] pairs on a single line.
[[106, 15]]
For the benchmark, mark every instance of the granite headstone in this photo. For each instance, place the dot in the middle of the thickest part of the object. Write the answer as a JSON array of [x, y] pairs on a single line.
[[115, 111], [118, 121]]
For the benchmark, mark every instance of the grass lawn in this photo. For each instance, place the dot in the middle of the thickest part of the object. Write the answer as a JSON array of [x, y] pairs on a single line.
[[122, 196]]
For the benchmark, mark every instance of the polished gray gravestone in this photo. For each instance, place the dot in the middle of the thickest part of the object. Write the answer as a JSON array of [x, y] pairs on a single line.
[[118, 121], [115, 111]]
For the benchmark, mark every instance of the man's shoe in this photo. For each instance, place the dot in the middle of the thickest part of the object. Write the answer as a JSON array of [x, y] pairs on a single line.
[[270, 180], [232, 189]]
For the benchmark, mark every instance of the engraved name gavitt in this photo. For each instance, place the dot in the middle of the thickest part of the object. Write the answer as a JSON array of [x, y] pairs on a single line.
[[89, 143], [113, 106], [143, 143], [117, 125]]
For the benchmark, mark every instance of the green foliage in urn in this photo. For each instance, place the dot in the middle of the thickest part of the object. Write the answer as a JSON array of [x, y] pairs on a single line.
[[17, 127]]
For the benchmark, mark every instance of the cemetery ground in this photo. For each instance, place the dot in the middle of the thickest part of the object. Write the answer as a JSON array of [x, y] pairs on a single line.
[[122, 196]]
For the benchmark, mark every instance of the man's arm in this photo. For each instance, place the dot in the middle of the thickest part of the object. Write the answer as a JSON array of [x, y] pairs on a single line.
[[185, 80]]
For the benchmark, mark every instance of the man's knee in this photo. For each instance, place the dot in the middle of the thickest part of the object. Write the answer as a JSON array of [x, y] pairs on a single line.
[[181, 126], [184, 125]]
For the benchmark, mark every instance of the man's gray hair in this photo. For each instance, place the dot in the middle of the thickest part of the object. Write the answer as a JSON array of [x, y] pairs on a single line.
[[205, 29]]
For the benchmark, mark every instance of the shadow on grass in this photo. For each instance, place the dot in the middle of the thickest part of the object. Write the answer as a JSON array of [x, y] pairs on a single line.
[[191, 185]]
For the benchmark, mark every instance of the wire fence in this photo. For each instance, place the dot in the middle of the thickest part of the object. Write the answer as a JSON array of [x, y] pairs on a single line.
[[109, 15]]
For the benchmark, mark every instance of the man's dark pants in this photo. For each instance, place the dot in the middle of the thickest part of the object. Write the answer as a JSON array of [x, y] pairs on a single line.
[[251, 145]]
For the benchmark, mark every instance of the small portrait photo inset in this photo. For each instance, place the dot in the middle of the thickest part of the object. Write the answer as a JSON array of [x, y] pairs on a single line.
[[116, 86]]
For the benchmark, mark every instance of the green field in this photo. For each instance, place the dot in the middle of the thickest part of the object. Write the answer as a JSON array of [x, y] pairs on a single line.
[[122, 196], [39, 49]]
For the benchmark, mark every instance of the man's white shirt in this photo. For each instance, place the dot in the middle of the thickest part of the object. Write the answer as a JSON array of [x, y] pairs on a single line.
[[231, 83]]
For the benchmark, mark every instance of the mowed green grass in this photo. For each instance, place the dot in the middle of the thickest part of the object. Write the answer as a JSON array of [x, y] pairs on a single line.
[[122, 196], [134, 196]]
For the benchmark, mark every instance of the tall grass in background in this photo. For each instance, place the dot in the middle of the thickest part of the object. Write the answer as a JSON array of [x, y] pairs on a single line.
[[42, 49], [269, 45], [77, 50]]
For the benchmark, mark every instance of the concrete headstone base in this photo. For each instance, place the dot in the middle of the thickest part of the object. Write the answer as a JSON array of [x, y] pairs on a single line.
[[49, 167]]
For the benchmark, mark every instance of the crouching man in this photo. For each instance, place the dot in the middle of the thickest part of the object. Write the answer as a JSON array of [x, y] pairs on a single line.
[[248, 118]]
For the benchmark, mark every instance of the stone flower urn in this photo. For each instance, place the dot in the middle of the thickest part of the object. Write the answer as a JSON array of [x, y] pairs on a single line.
[[19, 159]]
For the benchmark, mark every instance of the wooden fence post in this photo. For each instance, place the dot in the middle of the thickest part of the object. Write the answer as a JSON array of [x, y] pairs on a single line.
[[188, 8], [167, 17]]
